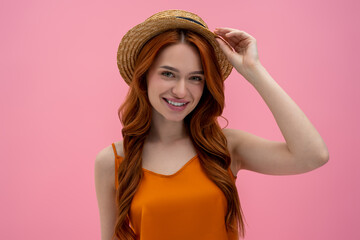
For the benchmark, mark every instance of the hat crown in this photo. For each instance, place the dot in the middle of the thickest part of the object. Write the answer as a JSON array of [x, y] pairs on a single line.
[[134, 40], [177, 13]]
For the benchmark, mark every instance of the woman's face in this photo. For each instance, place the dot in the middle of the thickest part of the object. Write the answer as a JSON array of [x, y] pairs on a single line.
[[175, 82]]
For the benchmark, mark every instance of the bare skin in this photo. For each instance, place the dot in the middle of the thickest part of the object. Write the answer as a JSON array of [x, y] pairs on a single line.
[[303, 150]]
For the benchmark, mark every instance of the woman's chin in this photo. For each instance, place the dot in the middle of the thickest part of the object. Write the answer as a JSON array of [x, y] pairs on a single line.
[[172, 119]]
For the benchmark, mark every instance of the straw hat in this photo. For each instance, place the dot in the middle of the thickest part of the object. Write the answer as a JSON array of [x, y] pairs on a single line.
[[135, 38]]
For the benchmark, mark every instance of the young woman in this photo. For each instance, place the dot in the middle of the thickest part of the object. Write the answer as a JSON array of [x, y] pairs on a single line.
[[173, 174]]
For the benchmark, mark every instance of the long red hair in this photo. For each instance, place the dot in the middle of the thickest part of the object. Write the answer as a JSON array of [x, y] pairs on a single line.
[[201, 124]]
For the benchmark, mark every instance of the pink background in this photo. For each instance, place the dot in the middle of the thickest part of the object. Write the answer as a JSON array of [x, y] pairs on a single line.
[[60, 90]]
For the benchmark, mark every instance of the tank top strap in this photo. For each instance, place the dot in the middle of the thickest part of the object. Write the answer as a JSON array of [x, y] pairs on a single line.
[[114, 148], [117, 163]]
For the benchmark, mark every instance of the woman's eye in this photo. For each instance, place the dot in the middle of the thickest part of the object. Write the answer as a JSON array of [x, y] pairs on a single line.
[[196, 78], [167, 74]]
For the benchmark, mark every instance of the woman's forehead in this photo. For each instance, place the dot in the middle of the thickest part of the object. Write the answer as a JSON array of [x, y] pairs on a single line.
[[183, 57]]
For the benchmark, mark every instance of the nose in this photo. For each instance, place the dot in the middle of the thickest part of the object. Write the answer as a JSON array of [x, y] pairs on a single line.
[[179, 90]]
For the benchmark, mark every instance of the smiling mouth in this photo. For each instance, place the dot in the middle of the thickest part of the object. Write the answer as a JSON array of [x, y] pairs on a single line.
[[176, 104]]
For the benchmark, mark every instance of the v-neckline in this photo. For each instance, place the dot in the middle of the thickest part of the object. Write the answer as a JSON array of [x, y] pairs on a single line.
[[174, 174]]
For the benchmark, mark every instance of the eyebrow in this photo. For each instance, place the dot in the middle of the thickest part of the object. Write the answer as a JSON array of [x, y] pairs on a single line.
[[176, 70]]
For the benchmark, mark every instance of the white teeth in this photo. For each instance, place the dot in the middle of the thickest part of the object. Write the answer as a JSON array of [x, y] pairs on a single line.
[[175, 103]]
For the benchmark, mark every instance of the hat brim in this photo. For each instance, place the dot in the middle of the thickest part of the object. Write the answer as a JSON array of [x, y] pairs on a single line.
[[135, 38]]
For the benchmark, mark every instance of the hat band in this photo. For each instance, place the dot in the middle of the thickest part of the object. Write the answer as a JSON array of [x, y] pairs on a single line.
[[190, 19]]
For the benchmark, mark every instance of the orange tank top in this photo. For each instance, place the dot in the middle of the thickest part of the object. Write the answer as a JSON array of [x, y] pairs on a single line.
[[184, 205]]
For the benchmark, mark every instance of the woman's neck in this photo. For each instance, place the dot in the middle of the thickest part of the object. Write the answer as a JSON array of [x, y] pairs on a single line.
[[166, 132]]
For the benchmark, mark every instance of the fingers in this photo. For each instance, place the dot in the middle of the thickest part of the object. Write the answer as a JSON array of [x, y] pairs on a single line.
[[225, 48], [236, 38], [230, 32], [224, 30]]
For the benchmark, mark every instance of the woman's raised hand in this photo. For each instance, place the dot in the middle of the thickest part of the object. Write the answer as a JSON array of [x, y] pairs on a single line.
[[245, 55]]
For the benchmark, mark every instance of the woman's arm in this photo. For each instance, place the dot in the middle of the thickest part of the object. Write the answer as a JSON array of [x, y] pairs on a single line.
[[105, 191], [304, 149]]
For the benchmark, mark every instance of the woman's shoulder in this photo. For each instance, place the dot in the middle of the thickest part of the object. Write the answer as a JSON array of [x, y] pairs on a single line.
[[229, 135], [119, 148], [234, 136], [105, 159], [230, 146]]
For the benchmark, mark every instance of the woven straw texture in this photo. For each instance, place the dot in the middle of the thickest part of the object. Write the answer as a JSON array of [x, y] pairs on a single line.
[[135, 38]]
